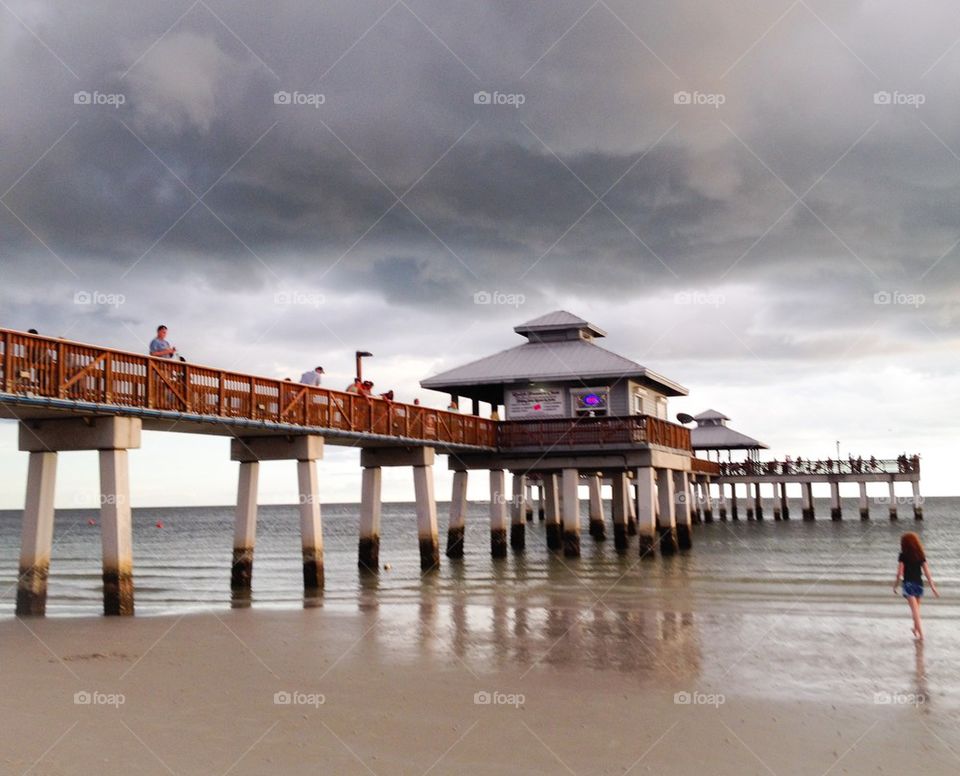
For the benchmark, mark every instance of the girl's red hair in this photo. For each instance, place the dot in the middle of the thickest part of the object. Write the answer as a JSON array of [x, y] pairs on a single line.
[[912, 548]]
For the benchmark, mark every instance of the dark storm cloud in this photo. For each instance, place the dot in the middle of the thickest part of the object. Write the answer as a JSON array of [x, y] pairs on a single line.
[[693, 197]]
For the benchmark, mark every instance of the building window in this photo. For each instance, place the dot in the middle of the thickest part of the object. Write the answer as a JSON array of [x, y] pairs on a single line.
[[662, 407], [639, 401]]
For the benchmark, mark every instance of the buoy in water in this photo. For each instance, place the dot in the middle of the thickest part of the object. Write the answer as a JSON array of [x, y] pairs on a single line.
[[159, 523], [387, 566], [91, 521]]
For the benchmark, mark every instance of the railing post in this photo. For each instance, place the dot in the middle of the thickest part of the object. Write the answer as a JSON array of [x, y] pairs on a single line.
[[108, 378], [8, 362], [61, 369], [186, 388]]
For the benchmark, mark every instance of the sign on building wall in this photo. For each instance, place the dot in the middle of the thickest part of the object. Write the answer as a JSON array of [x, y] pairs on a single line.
[[527, 403]]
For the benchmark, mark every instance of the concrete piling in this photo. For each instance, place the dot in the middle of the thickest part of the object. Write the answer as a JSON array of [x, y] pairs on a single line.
[[864, 503], [518, 513], [541, 509], [631, 509], [733, 501], [369, 549], [808, 513], [37, 534], [707, 501], [552, 506], [784, 504], [835, 513], [621, 495], [723, 500], [917, 502], [245, 527], [571, 513], [893, 501], [666, 517], [498, 514], [116, 533], [426, 518], [693, 488], [684, 512], [757, 501], [311, 528], [646, 512], [250, 451], [598, 529], [458, 515]]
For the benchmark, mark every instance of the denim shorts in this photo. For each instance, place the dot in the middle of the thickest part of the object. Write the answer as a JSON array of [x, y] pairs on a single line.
[[912, 590]]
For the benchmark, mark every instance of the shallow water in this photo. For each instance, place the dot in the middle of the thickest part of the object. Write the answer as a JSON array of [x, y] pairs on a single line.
[[754, 607]]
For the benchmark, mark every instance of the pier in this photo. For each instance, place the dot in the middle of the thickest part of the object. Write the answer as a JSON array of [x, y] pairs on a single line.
[[565, 415]]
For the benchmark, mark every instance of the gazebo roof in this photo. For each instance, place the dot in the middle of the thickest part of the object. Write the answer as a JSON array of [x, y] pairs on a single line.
[[710, 415], [722, 438], [712, 433], [560, 348]]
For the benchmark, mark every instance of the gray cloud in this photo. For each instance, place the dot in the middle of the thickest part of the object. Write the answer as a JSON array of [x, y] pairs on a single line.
[[699, 203]]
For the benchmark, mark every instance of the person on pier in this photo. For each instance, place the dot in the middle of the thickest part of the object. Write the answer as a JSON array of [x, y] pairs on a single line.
[[911, 568], [312, 376], [159, 346]]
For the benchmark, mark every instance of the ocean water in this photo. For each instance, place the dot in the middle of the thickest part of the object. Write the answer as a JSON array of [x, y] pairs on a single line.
[[759, 606]]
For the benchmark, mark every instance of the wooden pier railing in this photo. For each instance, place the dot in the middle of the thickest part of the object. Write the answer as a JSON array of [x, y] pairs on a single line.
[[37, 366], [593, 432], [903, 465]]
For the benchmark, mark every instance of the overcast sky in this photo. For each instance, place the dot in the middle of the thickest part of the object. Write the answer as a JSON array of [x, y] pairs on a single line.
[[757, 199]]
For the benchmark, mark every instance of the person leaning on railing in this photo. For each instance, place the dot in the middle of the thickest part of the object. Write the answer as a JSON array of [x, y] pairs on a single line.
[[159, 346]]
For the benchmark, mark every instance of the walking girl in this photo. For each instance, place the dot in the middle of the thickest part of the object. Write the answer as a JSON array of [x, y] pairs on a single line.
[[911, 568]]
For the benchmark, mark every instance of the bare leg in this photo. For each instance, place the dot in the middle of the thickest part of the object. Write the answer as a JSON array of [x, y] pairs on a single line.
[[915, 611]]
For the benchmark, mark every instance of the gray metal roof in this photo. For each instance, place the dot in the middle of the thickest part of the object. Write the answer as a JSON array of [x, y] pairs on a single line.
[[568, 360], [710, 415], [722, 438], [559, 320]]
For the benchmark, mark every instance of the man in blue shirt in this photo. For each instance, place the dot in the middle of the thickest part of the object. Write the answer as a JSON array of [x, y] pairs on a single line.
[[159, 345]]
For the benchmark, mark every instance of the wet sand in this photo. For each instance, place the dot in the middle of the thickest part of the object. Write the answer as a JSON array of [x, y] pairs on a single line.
[[400, 690]]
